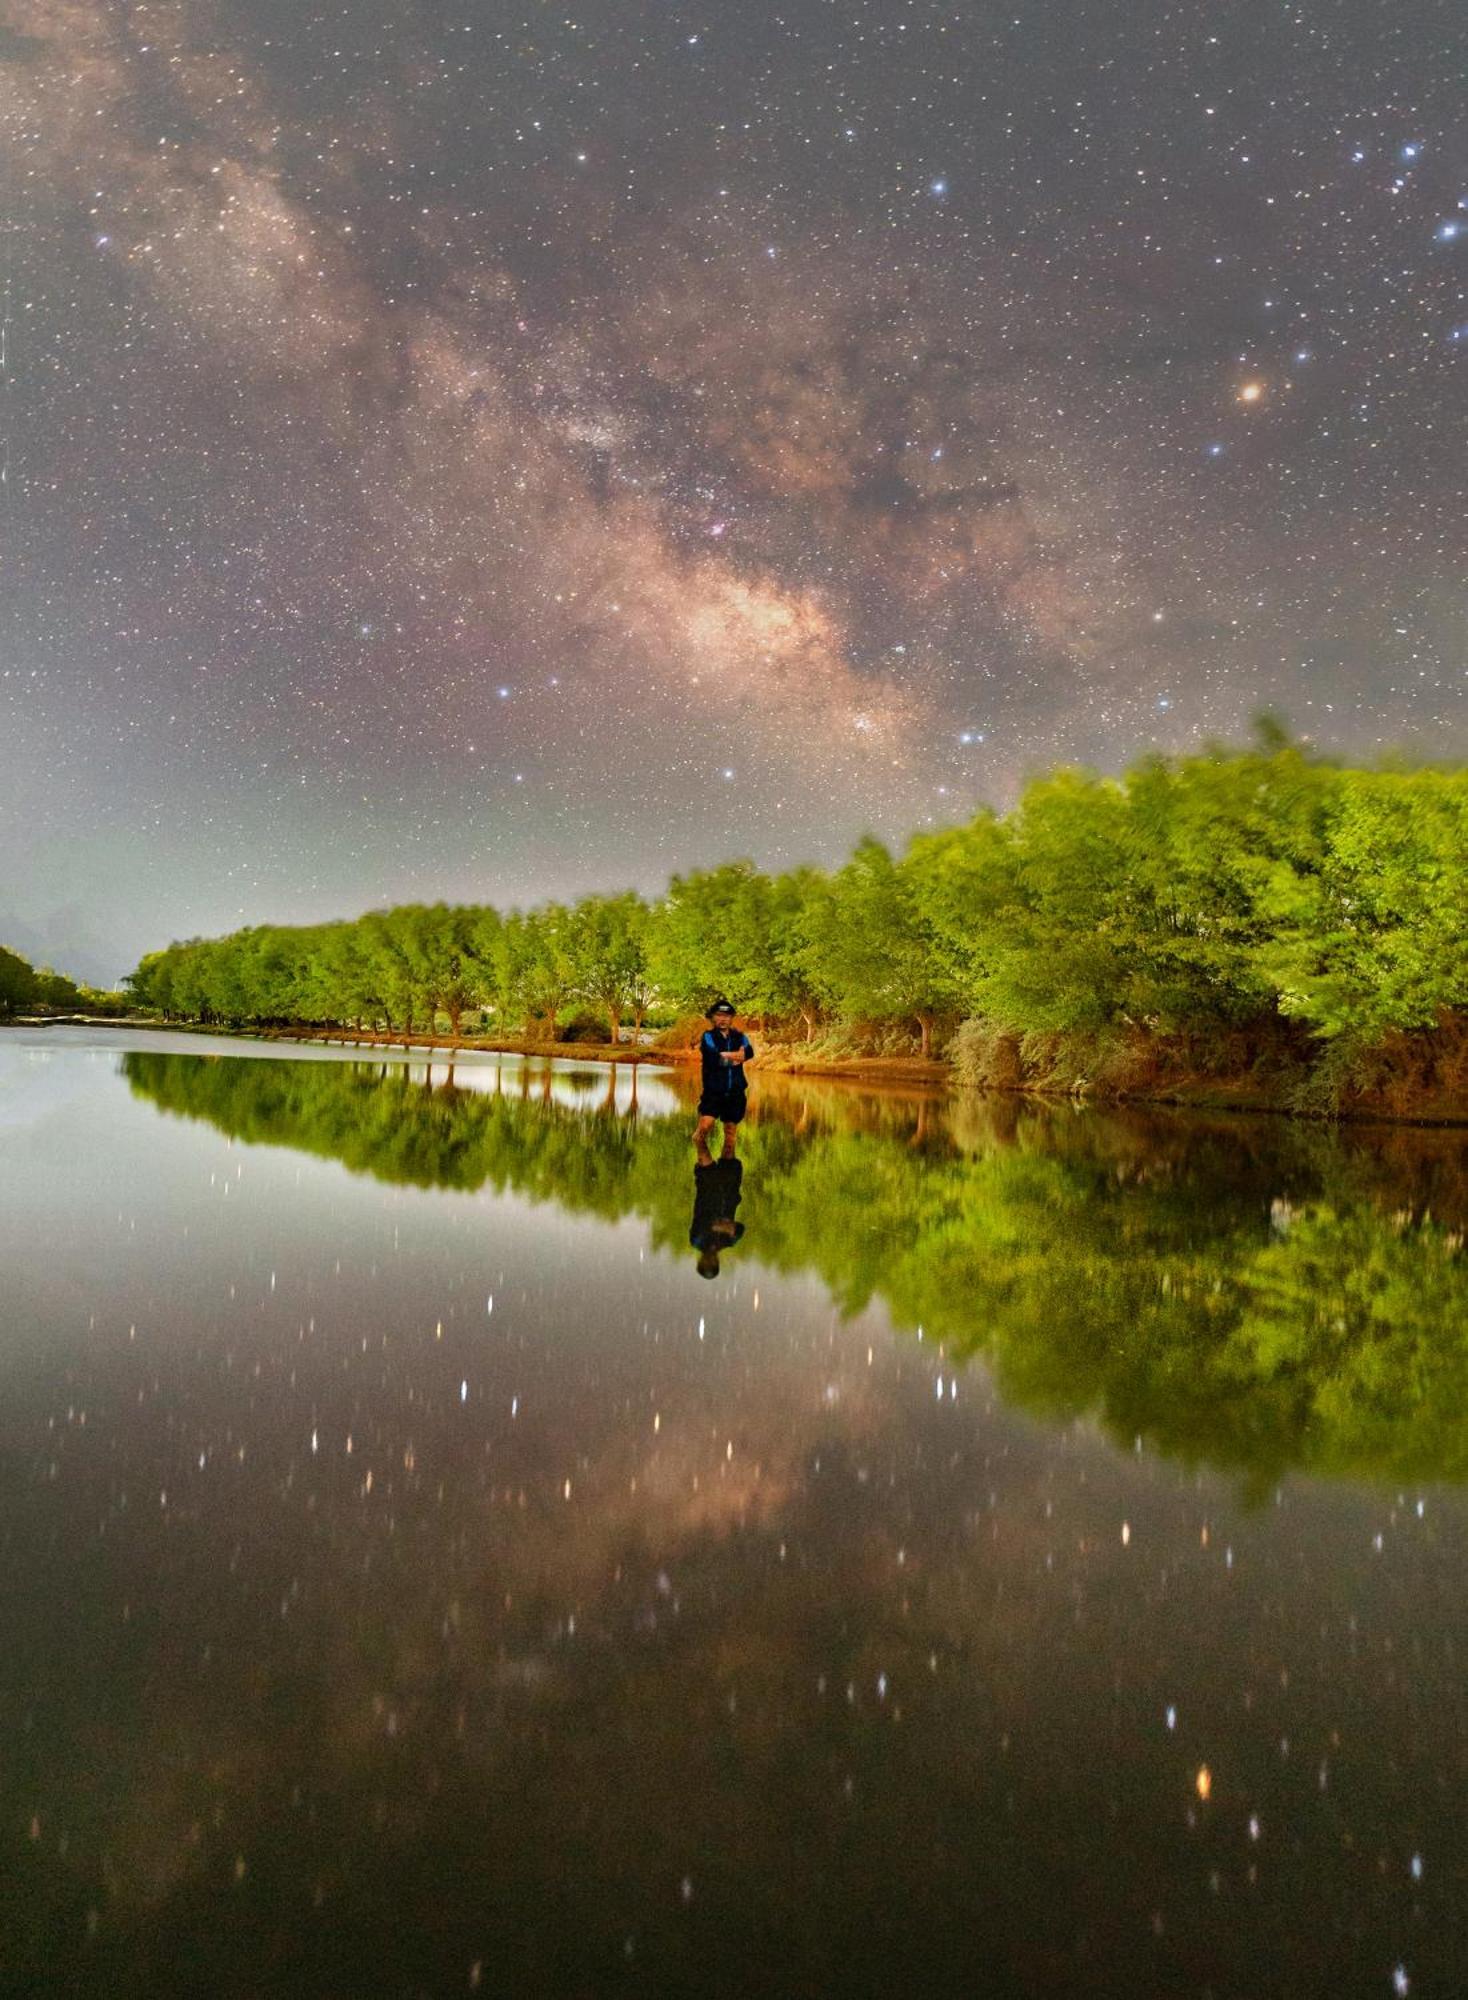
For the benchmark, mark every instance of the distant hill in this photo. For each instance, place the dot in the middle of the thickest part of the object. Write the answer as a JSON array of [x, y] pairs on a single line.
[[65, 940]]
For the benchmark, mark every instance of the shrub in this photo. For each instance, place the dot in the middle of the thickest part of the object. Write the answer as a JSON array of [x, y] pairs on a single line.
[[984, 1054], [585, 1027]]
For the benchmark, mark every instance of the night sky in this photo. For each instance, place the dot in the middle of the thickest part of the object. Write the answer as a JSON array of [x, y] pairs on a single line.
[[494, 452]]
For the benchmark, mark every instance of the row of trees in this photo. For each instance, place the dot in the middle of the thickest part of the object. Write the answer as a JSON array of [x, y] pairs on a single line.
[[805, 946], [404, 967], [24, 986], [1196, 899]]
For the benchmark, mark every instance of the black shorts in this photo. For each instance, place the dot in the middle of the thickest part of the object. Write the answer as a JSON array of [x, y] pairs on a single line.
[[729, 1109]]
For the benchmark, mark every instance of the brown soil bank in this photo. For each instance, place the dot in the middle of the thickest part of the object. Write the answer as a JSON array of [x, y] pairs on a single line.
[[791, 1060], [1412, 1080], [1204, 1090], [1421, 1077], [771, 1057], [1271, 1065]]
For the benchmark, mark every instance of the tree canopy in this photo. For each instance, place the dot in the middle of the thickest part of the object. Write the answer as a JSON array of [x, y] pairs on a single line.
[[23, 986], [1231, 901]]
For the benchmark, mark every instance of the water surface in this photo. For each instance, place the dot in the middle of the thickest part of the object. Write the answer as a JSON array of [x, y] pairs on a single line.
[[1033, 1564]]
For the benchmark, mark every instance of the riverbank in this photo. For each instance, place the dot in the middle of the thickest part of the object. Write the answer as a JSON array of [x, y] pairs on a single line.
[[1445, 1108], [1275, 1094], [776, 1058], [450, 1045], [353, 1038], [780, 1059]]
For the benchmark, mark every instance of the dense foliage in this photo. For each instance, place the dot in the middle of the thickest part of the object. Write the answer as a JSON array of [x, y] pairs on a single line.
[[27, 988], [1255, 1295], [1260, 911]]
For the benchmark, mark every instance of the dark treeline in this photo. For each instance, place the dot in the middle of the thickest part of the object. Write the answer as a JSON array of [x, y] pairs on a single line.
[[1257, 1295], [1263, 917], [25, 988]]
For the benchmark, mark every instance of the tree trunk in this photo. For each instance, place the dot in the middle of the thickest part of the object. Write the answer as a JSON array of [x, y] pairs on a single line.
[[925, 1023], [456, 1014], [615, 1017]]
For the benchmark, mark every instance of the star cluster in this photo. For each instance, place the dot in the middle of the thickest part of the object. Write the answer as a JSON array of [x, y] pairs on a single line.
[[462, 449]]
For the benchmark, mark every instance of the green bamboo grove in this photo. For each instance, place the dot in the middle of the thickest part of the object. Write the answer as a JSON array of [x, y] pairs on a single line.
[[1256, 912]]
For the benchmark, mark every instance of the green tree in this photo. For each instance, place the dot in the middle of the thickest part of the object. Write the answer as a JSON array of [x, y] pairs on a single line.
[[447, 936], [610, 951], [482, 944], [18, 984], [536, 968], [872, 948], [388, 969], [794, 899], [1228, 908], [713, 936], [1372, 937]]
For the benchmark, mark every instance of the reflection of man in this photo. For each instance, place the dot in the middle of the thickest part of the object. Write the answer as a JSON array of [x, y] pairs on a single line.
[[723, 1050], [716, 1185]]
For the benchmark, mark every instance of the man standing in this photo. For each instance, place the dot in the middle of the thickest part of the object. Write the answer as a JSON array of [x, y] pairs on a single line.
[[724, 1051]]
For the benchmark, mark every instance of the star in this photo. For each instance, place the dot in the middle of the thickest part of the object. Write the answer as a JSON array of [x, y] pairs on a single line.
[[699, 442]]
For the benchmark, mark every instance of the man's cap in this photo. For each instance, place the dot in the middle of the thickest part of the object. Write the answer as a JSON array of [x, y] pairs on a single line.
[[719, 1006]]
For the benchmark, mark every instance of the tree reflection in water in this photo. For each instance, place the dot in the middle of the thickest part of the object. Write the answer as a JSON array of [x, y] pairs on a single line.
[[1244, 1292]]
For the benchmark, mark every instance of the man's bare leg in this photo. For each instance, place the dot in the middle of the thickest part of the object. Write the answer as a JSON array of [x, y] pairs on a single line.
[[730, 1134], [701, 1140]]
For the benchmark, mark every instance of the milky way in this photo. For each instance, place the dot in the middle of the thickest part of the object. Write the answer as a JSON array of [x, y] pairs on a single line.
[[474, 451]]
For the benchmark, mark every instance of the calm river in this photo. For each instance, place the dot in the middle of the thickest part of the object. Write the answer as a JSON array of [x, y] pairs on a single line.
[[1033, 1564]]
